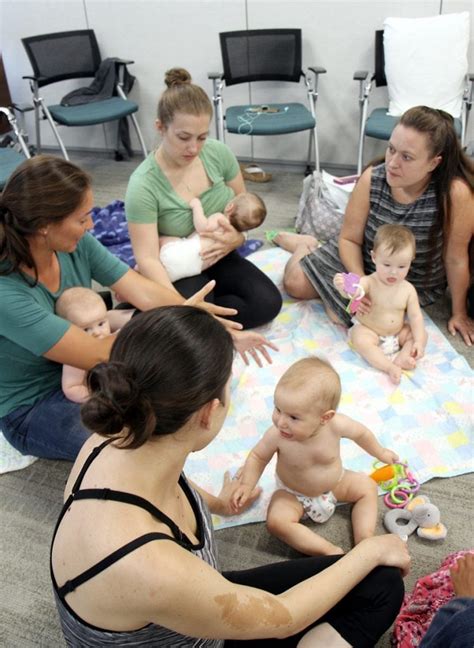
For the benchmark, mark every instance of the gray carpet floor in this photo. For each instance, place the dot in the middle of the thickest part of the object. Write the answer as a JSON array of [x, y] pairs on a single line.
[[30, 499]]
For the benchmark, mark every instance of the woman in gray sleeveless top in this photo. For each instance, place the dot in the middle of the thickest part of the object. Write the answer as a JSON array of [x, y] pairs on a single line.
[[426, 184], [133, 558]]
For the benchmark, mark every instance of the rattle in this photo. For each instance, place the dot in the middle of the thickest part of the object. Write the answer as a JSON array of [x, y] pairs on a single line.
[[398, 481], [353, 288]]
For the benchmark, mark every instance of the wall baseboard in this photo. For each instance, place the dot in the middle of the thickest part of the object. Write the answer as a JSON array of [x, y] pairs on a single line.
[[282, 165]]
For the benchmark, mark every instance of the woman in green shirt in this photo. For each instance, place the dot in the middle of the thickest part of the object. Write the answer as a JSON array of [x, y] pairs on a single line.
[[188, 165], [45, 212]]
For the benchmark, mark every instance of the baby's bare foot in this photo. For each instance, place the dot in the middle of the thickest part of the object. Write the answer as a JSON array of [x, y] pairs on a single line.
[[404, 361], [395, 373], [290, 241]]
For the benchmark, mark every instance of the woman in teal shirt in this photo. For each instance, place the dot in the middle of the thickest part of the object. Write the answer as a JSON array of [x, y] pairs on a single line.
[[45, 212], [188, 165]]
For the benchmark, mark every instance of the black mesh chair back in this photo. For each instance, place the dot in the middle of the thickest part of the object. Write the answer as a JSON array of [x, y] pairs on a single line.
[[379, 75], [261, 55], [63, 55]]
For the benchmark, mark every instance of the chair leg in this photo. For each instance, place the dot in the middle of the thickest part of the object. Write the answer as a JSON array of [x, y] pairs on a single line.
[[313, 148], [55, 131], [363, 119], [139, 135]]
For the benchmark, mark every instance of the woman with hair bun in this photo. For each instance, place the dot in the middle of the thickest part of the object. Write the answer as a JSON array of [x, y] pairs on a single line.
[[45, 212], [188, 164], [134, 563]]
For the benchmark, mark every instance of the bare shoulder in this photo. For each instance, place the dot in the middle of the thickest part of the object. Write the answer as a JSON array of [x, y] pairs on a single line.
[[460, 192], [462, 211], [409, 288], [339, 424], [84, 452], [160, 579]]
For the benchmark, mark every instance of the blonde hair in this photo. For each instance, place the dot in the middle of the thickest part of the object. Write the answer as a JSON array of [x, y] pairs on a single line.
[[317, 377], [182, 96], [77, 298], [249, 212], [394, 238]]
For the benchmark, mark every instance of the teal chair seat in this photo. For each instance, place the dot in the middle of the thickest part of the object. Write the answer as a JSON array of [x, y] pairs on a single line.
[[97, 112], [380, 125], [9, 160], [290, 118]]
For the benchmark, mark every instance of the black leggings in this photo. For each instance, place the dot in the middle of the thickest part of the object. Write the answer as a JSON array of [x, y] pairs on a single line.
[[361, 617], [241, 285]]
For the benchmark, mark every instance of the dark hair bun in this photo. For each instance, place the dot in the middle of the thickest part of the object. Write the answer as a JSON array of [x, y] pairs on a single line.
[[177, 77], [116, 404]]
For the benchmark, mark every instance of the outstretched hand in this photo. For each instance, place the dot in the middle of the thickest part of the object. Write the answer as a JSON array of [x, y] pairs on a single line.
[[254, 344], [463, 325], [227, 494], [198, 300]]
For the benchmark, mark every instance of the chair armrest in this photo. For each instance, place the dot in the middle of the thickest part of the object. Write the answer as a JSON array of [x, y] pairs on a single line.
[[317, 70], [215, 75], [123, 62], [360, 75], [22, 107]]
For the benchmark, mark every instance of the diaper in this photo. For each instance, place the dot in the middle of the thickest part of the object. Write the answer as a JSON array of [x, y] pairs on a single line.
[[319, 509], [182, 258], [389, 344]]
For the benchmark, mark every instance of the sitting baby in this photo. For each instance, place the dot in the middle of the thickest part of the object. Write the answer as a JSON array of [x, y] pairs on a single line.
[[182, 257], [382, 332], [86, 309], [306, 438]]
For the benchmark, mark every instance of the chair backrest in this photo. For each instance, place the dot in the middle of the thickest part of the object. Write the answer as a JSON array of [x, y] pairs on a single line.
[[379, 76], [261, 55], [63, 55]]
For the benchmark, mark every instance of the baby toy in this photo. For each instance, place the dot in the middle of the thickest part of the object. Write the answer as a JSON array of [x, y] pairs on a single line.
[[353, 288], [398, 481], [419, 514]]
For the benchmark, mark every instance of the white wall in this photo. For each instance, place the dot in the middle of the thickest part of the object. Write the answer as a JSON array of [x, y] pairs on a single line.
[[159, 34]]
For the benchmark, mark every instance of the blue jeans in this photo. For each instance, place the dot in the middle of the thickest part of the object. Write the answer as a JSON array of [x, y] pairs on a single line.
[[51, 428], [452, 625]]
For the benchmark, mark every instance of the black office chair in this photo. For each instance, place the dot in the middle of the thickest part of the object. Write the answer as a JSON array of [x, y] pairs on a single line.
[[74, 55], [13, 147], [379, 124], [265, 55]]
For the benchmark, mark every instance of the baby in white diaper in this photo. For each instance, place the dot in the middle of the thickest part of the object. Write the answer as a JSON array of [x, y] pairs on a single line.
[[182, 257], [382, 331], [306, 436]]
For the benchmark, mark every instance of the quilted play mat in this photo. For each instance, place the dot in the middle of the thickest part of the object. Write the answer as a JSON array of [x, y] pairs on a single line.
[[427, 419]]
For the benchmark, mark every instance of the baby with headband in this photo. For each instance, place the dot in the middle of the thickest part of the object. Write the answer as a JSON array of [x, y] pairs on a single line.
[[381, 335]]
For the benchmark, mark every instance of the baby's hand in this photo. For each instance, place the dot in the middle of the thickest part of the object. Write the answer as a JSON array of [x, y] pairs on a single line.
[[240, 497], [389, 456], [417, 351], [338, 282]]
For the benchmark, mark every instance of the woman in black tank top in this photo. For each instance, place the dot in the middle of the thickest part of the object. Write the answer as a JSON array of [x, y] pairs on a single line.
[[133, 559]]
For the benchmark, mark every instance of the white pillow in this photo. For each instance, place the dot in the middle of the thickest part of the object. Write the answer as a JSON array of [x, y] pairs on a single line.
[[426, 62]]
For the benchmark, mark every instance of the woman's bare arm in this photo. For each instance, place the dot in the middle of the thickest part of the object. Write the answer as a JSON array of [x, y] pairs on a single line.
[[460, 233], [355, 219], [146, 249], [78, 349], [190, 597]]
